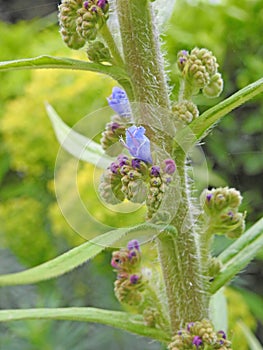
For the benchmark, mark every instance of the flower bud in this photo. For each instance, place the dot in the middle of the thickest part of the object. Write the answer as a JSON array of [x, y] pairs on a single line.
[[215, 87], [185, 111], [97, 52], [67, 20]]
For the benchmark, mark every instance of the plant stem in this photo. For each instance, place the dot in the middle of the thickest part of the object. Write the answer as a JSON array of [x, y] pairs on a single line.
[[107, 36], [181, 262], [179, 255], [144, 62]]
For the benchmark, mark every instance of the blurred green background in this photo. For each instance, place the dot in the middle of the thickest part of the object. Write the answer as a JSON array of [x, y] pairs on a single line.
[[32, 228]]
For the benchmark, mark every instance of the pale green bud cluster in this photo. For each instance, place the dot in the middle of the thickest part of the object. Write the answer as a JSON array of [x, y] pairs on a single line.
[[185, 111], [98, 52], [158, 184], [133, 286], [67, 20], [221, 214], [199, 335], [114, 131], [214, 267], [80, 21], [137, 181], [199, 68]]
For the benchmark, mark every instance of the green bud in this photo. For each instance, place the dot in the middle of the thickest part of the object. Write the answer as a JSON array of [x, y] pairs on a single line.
[[67, 20], [215, 87], [110, 188], [98, 52], [214, 267], [110, 140], [185, 111]]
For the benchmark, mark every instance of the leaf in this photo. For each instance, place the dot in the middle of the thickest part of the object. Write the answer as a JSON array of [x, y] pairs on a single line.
[[117, 319], [238, 255], [218, 310], [74, 257], [80, 146], [46, 61], [202, 125], [253, 342]]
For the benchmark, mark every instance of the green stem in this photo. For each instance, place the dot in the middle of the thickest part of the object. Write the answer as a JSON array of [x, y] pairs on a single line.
[[144, 62], [188, 280], [107, 36]]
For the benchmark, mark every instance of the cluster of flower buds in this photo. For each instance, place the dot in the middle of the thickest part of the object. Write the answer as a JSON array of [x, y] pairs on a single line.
[[80, 20], [137, 181], [160, 178], [130, 283], [199, 69], [221, 214], [199, 335], [134, 285], [185, 111], [98, 52], [116, 128]]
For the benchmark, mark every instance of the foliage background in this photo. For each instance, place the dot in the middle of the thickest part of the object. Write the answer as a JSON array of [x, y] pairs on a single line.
[[32, 228]]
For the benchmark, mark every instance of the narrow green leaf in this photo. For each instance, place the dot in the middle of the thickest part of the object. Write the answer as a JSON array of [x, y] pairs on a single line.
[[202, 125], [46, 61], [75, 257], [80, 146], [117, 319], [239, 254], [253, 342]]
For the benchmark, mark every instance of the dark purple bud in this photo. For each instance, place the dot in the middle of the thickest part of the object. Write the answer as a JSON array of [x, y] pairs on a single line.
[[134, 244], [230, 214], [190, 325], [134, 279], [114, 167], [170, 166], [115, 126], [197, 341], [132, 254], [209, 197], [136, 163], [179, 332], [93, 9], [222, 333], [123, 160], [86, 4], [155, 170], [102, 3]]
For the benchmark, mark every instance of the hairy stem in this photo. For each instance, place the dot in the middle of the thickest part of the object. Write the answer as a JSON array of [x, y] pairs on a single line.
[[181, 263], [144, 62]]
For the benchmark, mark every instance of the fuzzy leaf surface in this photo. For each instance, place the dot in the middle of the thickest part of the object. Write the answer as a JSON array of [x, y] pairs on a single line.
[[73, 258], [117, 319], [80, 146]]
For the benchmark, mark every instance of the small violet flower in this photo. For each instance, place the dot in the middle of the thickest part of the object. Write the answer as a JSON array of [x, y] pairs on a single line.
[[197, 341], [134, 279], [138, 144], [170, 166], [119, 102], [133, 244]]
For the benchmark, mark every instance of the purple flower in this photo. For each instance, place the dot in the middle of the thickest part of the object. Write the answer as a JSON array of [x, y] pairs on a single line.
[[170, 166], [114, 167], [138, 144], [155, 170], [136, 163], [119, 102], [222, 333], [197, 341], [102, 3], [123, 160], [133, 244], [209, 197], [134, 279]]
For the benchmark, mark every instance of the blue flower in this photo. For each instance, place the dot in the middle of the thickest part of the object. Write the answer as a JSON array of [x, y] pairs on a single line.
[[138, 144], [119, 102]]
